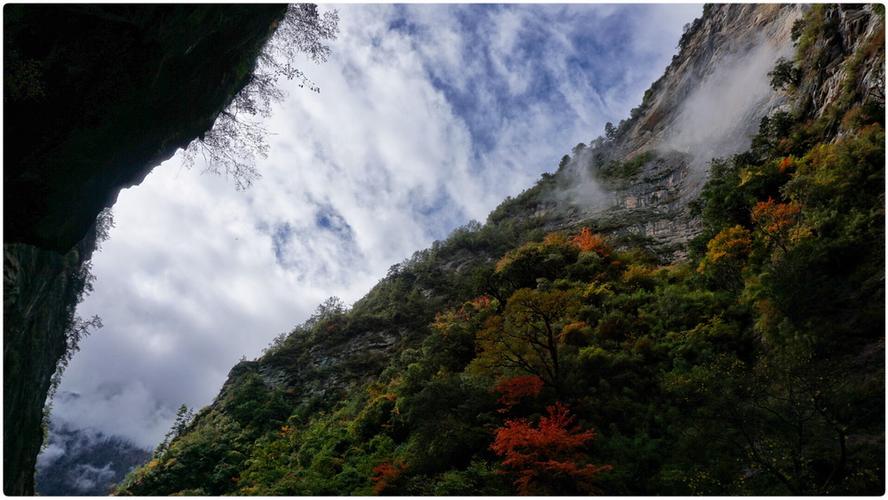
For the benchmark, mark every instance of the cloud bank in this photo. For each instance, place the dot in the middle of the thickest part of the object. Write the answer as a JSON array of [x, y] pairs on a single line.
[[428, 117]]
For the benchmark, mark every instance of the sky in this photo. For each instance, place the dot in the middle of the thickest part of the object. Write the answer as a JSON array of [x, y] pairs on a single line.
[[428, 117]]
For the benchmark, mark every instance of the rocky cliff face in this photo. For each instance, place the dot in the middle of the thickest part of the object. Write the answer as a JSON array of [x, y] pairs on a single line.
[[637, 181], [637, 186], [93, 117], [40, 291], [95, 97], [682, 124]]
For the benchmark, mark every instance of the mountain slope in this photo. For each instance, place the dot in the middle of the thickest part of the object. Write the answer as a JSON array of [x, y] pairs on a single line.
[[84, 462], [643, 321]]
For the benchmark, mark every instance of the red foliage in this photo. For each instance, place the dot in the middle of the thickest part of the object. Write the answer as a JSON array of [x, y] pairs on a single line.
[[586, 241], [514, 389], [386, 474], [481, 302], [785, 164], [775, 217], [550, 454]]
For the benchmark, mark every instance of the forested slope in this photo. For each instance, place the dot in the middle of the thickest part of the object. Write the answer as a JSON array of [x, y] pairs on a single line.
[[706, 327]]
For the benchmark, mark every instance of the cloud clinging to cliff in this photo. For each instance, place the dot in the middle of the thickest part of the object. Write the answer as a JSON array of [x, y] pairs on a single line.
[[428, 116]]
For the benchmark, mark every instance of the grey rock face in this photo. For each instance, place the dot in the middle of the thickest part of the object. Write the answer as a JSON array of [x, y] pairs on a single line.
[[39, 293], [684, 122], [707, 104], [638, 183]]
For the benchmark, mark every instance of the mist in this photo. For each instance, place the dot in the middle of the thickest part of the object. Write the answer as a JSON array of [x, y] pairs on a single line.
[[722, 114], [579, 184], [717, 118], [84, 461]]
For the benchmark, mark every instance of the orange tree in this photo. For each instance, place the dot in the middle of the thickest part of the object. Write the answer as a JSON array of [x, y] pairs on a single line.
[[548, 458]]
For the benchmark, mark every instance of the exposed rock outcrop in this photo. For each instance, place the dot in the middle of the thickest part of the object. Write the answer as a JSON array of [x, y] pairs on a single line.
[[637, 185], [40, 291], [660, 156], [95, 116], [638, 181]]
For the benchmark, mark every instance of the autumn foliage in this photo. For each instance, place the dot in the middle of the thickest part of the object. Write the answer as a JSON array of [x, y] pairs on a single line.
[[775, 217], [586, 241], [385, 474], [786, 164], [514, 389], [446, 319], [549, 457], [732, 244], [481, 302]]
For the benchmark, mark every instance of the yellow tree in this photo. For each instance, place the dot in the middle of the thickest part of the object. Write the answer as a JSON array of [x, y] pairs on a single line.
[[527, 337]]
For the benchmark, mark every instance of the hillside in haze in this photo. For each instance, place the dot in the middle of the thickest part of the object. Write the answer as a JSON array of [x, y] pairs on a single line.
[[692, 303], [84, 462]]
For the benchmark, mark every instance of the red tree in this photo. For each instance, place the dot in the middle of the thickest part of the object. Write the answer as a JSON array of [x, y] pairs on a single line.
[[587, 241], [514, 389], [550, 457], [386, 474], [777, 220]]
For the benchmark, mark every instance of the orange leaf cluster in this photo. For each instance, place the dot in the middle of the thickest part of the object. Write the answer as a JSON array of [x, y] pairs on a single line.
[[773, 217], [785, 164], [587, 241], [386, 474], [514, 389], [551, 451]]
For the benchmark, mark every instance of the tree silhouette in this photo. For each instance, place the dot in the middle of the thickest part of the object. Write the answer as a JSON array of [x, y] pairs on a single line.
[[231, 146]]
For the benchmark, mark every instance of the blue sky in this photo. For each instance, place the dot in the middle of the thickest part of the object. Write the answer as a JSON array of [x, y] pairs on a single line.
[[428, 116]]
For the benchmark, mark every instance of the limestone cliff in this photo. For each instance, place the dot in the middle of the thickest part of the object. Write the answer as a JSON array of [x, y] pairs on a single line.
[[707, 104], [639, 182], [95, 97], [332, 407]]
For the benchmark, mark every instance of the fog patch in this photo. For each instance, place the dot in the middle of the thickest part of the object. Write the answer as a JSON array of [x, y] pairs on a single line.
[[130, 412], [84, 461], [578, 183], [87, 476], [52, 452], [722, 113]]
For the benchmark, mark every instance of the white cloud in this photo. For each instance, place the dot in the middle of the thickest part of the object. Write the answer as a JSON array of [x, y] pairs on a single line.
[[379, 164], [719, 117]]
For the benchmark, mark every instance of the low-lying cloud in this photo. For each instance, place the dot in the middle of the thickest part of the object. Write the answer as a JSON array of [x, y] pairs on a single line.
[[719, 117], [722, 113], [428, 117]]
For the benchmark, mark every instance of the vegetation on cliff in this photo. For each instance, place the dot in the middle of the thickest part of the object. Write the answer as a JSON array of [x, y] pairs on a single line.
[[561, 363]]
